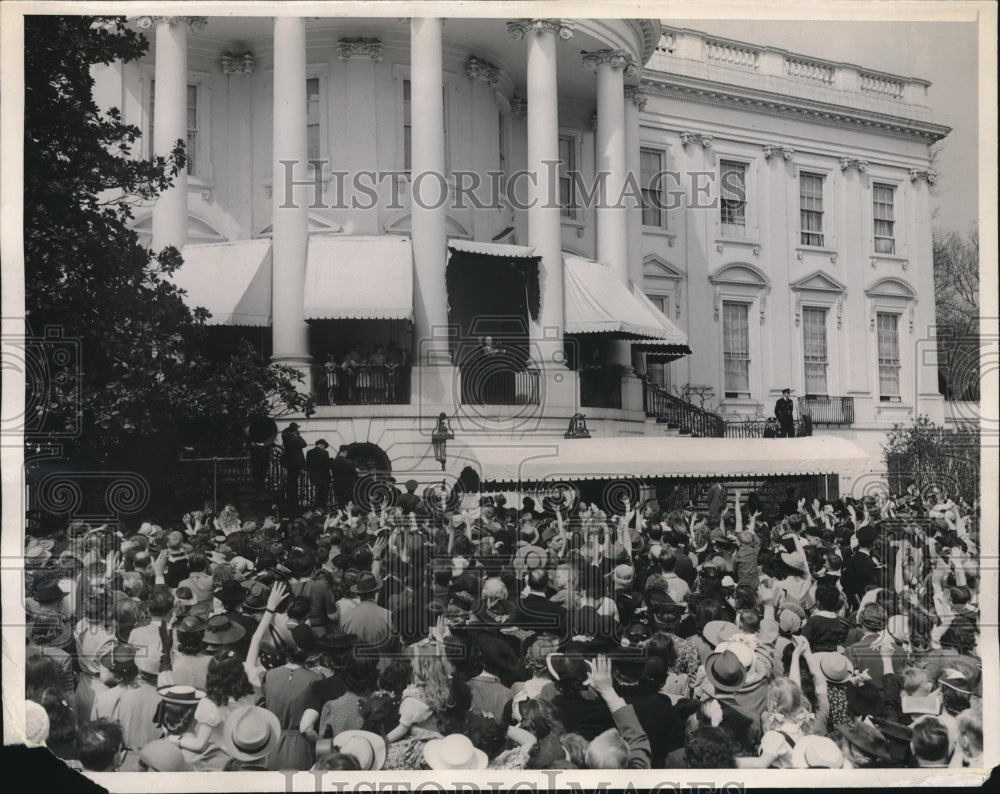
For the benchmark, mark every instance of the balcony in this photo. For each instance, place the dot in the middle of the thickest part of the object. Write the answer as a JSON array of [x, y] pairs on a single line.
[[362, 384], [753, 427], [687, 418], [828, 410], [496, 386], [601, 387]]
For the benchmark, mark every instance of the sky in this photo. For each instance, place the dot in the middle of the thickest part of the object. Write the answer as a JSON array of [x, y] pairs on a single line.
[[945, 53]]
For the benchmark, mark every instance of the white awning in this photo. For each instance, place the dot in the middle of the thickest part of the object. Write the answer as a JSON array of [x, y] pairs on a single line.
[[359, 278], [492, 249], [597, 302], [675, 340], [230, 280], [643, 457]]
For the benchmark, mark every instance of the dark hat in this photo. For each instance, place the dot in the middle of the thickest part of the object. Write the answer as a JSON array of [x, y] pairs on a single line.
[[293, 426], [120, 660], [191, 624], [660, 602], [48, 591], [786, 391], [873, 617], [220, 630], [51, 631], [180, 693], [866, 535], [323, 442], [255, 599], [568, 667], [337, 643], [184, 597], [864, 699], [635, 633], [867, 738], [725, 671], [230, 592], [367, 583], [304, 637]]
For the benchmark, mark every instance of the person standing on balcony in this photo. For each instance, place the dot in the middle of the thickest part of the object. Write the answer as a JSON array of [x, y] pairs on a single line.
[[440, 437], [318, 466], [345, 475], [331, 379], [784, 412], [294, 460], [377, 376]]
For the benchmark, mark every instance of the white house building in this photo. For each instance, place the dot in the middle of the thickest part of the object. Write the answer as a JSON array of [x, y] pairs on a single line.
[[422, 185]]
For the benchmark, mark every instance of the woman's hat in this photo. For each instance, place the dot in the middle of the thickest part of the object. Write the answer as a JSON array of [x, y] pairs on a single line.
[[304, 637], [184, 597], [866, 738], [567, 667], [250, 733], [230, 592], [120, 660], [220, 630], [37, 553], [48, 592], [190, 624], [162, 755], [337, 643], [367, 583], [725, 671], [817, 752], [795, 560], [181, 694], [873, 617], [454, 751], [864, 699], [255, 599], [51, 631], [717, 631], [368, 748], [835, 666]]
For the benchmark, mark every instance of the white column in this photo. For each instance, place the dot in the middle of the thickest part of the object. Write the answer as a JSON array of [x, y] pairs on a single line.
[[635, 101], [544, 224], [428, 207], [169, 125], [290, 241]]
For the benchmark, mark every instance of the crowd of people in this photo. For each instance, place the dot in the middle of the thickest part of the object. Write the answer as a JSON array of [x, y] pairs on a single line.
[[424, 634]]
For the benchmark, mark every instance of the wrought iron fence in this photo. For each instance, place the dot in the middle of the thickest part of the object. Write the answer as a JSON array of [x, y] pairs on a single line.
[[688, 418], [362, 384], [755, 427], [500, 386], [828, 410]]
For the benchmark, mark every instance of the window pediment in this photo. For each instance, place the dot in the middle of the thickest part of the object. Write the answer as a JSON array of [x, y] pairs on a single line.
[[655, 268], [891, 288], [741, 274], [818, 282]]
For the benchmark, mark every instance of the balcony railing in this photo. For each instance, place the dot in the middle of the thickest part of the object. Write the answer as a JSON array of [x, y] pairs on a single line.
[[828, 410], [600, 387], [688, 418], [753, 427], [362, 384], [489, 386]]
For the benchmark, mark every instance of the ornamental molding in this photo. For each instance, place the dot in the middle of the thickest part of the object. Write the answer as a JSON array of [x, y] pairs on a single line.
[[617, 59], [479, 69], [637, 95], [194, 24], [853, 162], [688, 137], [772, 149], [359, 48], [238, 63], [593, 122], [930, 177], [519, 28], [518, 107]]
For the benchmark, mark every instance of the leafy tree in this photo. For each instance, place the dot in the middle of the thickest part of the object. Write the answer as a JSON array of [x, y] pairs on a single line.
[[930, 455], [956, 290], [151, 376]]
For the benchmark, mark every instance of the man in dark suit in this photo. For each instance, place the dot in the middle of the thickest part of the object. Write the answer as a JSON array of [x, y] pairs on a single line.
[[318, 466], [294, 460], [535, 612], [345, 475], [784, 412], [860, 571]]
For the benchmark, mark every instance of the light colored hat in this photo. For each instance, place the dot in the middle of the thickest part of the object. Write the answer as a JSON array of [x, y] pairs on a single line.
[[743, 652], [250, 733], [817, 752], [162, 755], [454, 751], [717, 631], [835, 666], [368, 748], [36, 724], [624, 575]]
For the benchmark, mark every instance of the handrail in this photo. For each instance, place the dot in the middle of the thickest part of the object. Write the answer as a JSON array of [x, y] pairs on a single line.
[[686, 417]]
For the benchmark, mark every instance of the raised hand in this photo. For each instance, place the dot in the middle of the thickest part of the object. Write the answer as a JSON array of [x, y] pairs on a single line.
[[278, 592]]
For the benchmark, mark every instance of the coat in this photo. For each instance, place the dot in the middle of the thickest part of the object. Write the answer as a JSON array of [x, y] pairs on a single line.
[[318, 464], [292, 445]]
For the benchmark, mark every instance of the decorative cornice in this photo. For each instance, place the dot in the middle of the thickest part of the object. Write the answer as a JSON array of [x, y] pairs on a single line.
[[617, 59], [194, 24], [695, 137], [853, 162], [359, 48], [238, 63], [593, 122], [518, 107], [921, 173], [519, 28], [638, 95], [771, 149], [479, 69]]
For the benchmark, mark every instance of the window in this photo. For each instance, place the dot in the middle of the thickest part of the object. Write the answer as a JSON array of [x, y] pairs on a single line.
[[651, 185], [733, 198], [191, 149], [313, 149], [567, 167], [814, 348], [887, 326], [736, 348], [407, 125], [882, 196], [811, 209]]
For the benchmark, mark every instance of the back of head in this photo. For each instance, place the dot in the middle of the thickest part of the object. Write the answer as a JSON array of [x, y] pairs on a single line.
[[931, 741], [607, 751], [709, 748], [98, 743]]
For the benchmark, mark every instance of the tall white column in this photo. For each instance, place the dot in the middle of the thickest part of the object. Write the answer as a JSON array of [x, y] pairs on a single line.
[[635, 102], [428, 206], [290, 241], [544, 224], [170, 125]]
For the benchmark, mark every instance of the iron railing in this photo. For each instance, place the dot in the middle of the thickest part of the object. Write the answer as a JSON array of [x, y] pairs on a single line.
[[828, 410], [755, 427], [600, 387], [362, 384], [500, 386], [688, 418]]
